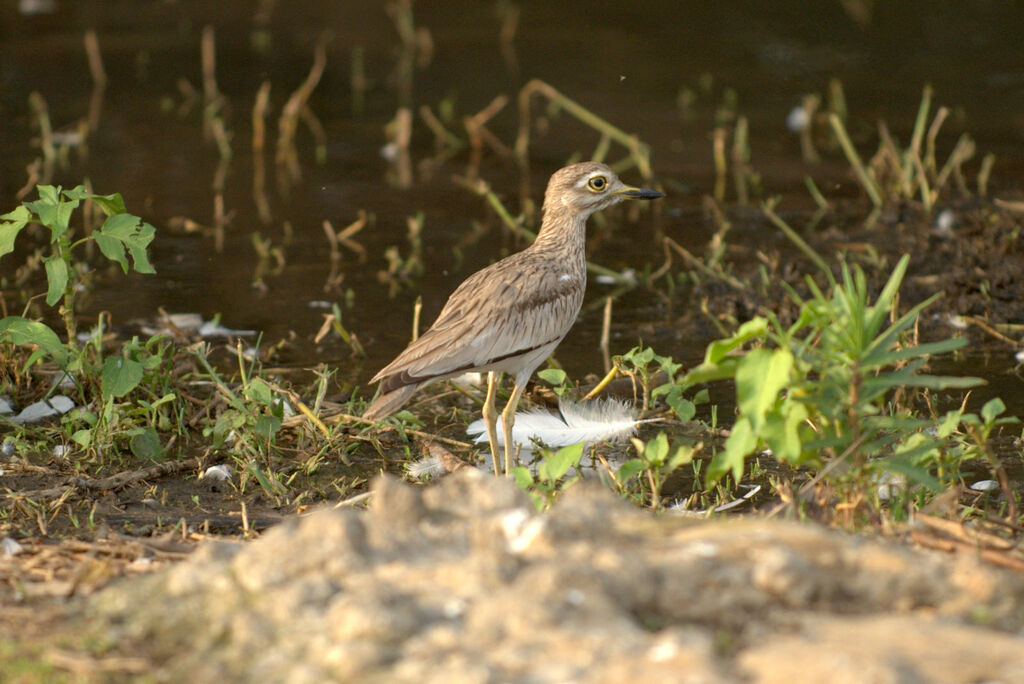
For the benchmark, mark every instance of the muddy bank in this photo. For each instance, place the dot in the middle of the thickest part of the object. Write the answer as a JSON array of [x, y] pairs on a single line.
[[461, 581]]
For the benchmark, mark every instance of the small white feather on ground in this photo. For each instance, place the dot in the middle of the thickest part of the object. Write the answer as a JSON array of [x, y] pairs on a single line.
[[591, 422]]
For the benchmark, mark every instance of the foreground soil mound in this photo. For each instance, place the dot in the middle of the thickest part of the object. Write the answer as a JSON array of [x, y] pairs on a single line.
[[462, 582]]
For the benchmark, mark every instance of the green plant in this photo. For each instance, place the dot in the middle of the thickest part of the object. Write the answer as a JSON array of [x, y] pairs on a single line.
[[655, 461], [545, 487], [249, 425], [557, 378], [120, 234], [833, 386], [643, 364]]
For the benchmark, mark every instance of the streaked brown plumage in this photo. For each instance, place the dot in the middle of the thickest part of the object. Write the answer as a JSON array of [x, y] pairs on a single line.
[[510, 316]]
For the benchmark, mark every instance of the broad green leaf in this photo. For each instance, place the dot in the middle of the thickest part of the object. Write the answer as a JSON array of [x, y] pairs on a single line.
[[137, 246], [145, 444], [82, 438], [684, 408], [717, 350], [683, 456], [20, 331], [557, 464], [133, 233], [522, 477], [914, 474], [53, 212], [112, 248], [11, 224], [120, 376], [949, 423], [781, 431], [267, 426], [710, 372], [761, 375], [552, 376], [656, 450], [992, 408], [741, 443], [259, 390], [630, 468], [56, 279], [110, 204]]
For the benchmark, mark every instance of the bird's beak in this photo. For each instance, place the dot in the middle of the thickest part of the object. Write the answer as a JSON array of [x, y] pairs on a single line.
[[629, 192]]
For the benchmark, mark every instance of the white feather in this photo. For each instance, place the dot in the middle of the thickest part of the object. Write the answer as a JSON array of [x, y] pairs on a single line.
[[590, 422]]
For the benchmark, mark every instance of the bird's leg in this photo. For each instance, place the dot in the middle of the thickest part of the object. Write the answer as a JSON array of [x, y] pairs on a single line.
[[491, 417], [508, 419]]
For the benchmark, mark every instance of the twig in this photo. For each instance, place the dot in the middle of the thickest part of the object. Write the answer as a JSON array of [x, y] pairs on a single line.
[[339, 417], [870, 186], [111, 483], [639, 152], [352, 501]]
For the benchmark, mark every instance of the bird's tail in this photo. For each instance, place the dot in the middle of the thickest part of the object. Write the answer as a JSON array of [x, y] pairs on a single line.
[[389, 402]]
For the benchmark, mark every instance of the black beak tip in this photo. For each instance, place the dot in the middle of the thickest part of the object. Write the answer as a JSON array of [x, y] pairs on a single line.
[[646, 194]]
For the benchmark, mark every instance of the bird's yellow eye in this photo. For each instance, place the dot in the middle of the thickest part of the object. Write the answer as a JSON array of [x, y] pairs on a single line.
[[597, 183]]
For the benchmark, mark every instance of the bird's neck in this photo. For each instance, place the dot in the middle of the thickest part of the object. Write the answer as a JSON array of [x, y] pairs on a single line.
[[562, 232]]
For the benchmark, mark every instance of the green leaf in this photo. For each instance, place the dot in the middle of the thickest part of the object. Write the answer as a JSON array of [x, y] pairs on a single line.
[[267, 426], [553, 376], [18, 330], [656, 450], [56, 279], [741, 443], [557, 464], [120, 376], [53, 212], [131, 232], [883, 303], [82, 438], [781, 431], [683, 456], [710, 372], [991, 410], [949, 423], [11, 224], [110, 204], [112, 248], [258, 390], [522, 477], [145, 444], [717, 350], [761, 375], [914, 474], [630, 468], [255, 471], [684, 408]]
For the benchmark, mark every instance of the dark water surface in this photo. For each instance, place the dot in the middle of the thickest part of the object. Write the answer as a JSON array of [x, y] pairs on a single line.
[[627, 65]]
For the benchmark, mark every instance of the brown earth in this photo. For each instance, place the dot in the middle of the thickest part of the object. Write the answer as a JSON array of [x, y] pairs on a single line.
[[462, 581]]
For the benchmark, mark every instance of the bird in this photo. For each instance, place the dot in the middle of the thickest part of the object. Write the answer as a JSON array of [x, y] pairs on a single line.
[[510, 316]]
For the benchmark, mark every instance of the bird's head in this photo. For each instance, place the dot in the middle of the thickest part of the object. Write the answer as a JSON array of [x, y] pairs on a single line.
[[582, 189]]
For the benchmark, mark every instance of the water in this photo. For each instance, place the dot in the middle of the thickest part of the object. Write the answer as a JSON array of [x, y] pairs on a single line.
[[629, 66]]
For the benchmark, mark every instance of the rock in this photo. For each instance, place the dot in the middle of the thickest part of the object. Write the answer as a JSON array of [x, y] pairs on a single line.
[[885, 648], [463, 581]]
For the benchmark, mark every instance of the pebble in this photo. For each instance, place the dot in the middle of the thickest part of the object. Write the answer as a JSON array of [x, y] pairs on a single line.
[[10, 547], [41, 410], [797, 119], [218, 473]]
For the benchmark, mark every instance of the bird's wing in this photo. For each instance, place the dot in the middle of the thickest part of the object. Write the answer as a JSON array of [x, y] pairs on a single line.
[[495, 314]]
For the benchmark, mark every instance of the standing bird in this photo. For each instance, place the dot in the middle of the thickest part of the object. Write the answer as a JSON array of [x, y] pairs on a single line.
[[511, 315]]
